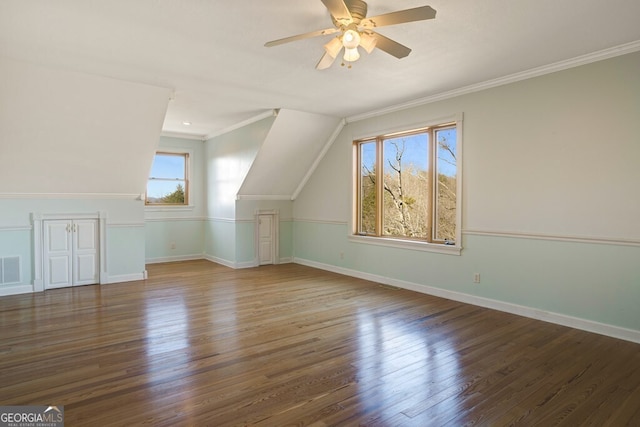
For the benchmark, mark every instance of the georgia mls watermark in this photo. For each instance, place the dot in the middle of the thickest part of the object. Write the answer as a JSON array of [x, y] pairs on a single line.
[[31, 416]]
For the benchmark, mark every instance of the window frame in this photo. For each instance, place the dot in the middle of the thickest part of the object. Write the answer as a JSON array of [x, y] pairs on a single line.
[[430, 244], [187, 155]]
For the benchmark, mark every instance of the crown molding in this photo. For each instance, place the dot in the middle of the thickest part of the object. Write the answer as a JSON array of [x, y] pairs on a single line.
[[270, 113], [196, 137], [512, 78]]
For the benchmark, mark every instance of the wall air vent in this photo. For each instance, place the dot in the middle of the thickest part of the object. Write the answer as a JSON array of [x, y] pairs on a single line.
[[10, 270]]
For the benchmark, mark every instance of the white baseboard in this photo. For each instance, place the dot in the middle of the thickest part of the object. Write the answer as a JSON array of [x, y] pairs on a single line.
[[174, 258], [227, 263], [15, 290], [245, 264], [533, 313], [125, 278]]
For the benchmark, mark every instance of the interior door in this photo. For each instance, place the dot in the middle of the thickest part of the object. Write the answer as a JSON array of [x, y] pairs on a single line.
[[70, 253], [85, 252], [58, 254], [265, 239]]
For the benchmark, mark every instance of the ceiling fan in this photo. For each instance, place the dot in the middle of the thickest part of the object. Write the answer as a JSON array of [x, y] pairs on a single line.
[[355, 29]]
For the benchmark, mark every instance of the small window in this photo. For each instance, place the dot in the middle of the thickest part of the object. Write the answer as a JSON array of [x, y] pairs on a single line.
[[168, 182], [406, 185]]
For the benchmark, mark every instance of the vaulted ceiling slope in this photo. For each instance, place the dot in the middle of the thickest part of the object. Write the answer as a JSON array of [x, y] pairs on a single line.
[[212, 54], [294, 144], [65, 132]]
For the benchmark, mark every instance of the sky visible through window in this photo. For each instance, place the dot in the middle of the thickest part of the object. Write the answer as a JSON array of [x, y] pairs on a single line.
[[166, 167], [415, 152]]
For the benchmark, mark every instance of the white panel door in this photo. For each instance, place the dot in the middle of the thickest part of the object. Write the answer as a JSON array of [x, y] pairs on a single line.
[[58, 254], [71, 255], [85, 252], [265, 239]]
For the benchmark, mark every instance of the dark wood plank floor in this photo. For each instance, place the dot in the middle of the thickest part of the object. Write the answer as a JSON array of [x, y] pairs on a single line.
[[200, 344]]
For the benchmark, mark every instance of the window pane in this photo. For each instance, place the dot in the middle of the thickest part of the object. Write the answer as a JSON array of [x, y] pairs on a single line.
[[171, 192], [168, 166], [446, 168], [406, 186], [367, 188]]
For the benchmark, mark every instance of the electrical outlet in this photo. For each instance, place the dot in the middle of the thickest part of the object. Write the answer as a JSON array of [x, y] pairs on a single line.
[[173, 245], [341, 255], [476, 278]]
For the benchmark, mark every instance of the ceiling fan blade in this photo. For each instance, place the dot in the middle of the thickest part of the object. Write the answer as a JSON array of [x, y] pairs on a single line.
[[325, 62], [301, 37], [339, 10], [392, 47], [399, 17]]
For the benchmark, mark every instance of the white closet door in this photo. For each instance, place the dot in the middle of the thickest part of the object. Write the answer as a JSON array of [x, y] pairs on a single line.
[[85, 252], [58, 256], [71, 255], [265, 240]]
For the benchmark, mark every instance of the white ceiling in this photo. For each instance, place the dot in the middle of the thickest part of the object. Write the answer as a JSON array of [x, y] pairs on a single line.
[[211, 53]]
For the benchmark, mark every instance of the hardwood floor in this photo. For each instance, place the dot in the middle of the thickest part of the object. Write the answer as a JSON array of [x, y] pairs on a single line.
[[200, 344]]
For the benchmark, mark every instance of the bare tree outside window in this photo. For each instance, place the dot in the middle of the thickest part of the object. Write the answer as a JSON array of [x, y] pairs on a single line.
[[446, 197], [406, 187], [367, 201], [403, 177]]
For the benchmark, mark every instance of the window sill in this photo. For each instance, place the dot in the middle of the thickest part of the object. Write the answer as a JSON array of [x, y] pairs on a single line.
[[168, 208], [407, 244]]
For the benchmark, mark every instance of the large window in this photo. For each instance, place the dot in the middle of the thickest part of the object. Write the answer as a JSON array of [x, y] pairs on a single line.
[[168, 182], [406, 185]]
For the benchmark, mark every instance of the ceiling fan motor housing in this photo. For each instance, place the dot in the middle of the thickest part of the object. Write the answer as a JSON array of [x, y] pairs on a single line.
[[358, 10]]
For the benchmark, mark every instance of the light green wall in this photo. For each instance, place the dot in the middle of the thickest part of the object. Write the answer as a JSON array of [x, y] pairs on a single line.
[[550, 161], [125, 252], [323, 243], [286, 240], [220, 241], [245, 243], [124, 230], [17, 242], [597, 282], [174, 239], [177, 233]]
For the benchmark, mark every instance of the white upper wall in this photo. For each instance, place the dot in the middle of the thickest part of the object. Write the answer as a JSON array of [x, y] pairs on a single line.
[[289, 151], [557, 154], [69, 132], [228, 159]]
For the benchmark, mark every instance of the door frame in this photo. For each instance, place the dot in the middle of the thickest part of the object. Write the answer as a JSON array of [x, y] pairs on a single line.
[[275, 214], [38, 219]]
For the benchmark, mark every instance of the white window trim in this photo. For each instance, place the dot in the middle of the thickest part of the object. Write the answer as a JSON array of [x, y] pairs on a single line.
[[400, 243], [190, 206], [416, 245]]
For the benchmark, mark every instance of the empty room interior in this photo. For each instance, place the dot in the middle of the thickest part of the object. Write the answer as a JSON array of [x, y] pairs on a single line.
[[321, 212]]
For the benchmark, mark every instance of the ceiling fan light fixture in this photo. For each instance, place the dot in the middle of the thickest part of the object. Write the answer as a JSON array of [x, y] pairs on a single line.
[[351, 39], [333, 47], [368, 42], [351, 54]]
